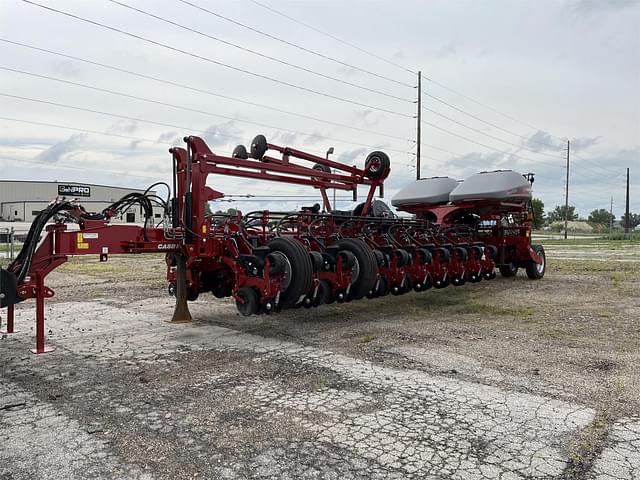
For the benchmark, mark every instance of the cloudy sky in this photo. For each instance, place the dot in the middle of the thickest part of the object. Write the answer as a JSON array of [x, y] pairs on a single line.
[[506, 83]]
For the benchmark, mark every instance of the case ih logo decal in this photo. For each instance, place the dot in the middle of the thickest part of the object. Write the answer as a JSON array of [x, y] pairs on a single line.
[[75, 190], [168, 246]]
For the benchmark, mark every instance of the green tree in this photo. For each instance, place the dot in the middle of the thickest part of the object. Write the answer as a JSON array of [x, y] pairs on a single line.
[[557, 214], [601, 216], [634, 220], [537, 208]]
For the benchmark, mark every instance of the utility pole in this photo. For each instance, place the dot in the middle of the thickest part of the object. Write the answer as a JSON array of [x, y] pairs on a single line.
[[566, 195], [418, 131], [627, 222], [611, 217]]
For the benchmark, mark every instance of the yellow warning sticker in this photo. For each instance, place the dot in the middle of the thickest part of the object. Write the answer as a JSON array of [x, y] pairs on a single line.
[[80, 243]]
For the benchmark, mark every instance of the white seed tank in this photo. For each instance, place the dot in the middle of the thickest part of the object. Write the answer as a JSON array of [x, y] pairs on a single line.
[[426, 191], [504, 185]]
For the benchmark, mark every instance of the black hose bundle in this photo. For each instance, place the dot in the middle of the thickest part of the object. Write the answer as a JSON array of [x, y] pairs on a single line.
[[20, 266]]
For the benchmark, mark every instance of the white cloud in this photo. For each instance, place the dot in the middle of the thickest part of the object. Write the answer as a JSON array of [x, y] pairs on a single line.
[[58, 150]]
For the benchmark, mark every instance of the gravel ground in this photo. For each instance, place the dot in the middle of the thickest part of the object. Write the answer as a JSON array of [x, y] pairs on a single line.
[[506, 379]]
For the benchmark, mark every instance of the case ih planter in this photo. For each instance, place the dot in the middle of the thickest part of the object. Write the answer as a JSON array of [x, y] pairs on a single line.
[[269, 261]]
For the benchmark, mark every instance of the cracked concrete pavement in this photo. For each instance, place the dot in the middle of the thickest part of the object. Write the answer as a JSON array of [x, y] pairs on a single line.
[[311, 413]]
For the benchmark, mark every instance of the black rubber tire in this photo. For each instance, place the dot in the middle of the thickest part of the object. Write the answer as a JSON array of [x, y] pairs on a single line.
[[382, 290], [258, 147], [479, 251], [402, 257], [442, 284], [349, 259], [316, 261], [376, 164], [474, 278], [301, 269], [444, 255], [324, 294], [489, 275], [379, 256], [535, 271], [277, 266], [424, 256], [493, 251], [368, 267], [267, 307], [240, 152], [307, 302], [322, 168], [192, 294], [221, 291], [171, 259], [463, 254], [408, 284], [251, 302], [508, 270]]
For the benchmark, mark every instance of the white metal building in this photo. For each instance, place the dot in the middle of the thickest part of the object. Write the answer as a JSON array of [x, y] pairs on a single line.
[[21, 201]]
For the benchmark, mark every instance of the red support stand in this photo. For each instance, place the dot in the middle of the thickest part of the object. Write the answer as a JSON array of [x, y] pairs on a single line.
[[40, 294], [10, 315]]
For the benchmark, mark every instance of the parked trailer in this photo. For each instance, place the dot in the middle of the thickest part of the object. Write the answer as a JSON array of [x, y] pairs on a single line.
[[269, 261]]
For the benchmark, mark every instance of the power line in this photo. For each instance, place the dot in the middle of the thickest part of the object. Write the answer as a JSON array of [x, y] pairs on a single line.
[[85, 130], [114, 115], [475, 117], [333, 37], [487, 146], [124, 117], [199, 90], [493, 109], [477, 130], [215, 62], [596, 165], [414, 72], [295, 45], [260, 54], [83, 169], [188, 109], [127, 173]]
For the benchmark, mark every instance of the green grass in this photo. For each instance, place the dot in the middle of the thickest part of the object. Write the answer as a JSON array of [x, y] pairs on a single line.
[[5, 247], [367, 338], [629, 237], [587, 447], [595, 266], [616, 240], [581, 242], [617, 278]]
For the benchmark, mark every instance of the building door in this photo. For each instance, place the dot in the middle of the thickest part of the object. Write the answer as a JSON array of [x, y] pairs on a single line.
[[131, 217]]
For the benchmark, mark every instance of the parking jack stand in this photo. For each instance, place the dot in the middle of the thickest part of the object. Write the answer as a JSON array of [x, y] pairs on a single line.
[[41, 291], [181, 312], [10, 319]]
